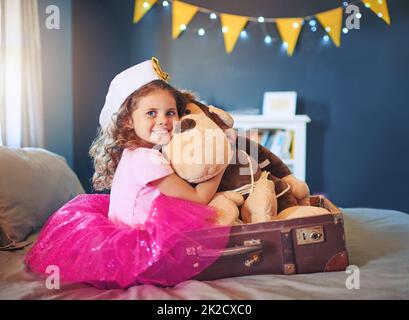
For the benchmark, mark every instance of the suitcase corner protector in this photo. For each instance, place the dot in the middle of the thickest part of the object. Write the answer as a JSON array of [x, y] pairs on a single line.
[[289, 268]]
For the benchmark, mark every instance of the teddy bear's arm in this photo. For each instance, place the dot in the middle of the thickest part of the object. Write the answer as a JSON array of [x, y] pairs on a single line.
[[268, 161]]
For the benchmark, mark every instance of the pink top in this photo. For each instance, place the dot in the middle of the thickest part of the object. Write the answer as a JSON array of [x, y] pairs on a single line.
[[131, 193]]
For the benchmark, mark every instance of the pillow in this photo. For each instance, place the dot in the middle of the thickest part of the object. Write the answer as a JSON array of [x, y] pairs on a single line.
[[34, 183]]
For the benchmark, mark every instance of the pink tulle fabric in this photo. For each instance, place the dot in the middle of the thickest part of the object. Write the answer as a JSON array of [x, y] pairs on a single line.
[[87, 247]]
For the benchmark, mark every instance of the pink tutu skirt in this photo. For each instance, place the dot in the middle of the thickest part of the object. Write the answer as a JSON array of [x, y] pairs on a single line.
[[86, 246]]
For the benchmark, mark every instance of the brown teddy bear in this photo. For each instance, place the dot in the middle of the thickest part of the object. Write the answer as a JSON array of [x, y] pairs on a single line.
[[255, 180]]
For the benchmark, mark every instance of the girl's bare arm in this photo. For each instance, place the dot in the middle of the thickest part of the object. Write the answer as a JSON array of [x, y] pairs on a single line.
[[174, 186]]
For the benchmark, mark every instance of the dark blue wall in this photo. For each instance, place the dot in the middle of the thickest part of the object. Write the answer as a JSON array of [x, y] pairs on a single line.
[[101, 48], [56, 46], [355, 95]]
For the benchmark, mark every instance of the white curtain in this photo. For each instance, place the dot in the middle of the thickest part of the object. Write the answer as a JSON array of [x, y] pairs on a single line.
[[21, 100]]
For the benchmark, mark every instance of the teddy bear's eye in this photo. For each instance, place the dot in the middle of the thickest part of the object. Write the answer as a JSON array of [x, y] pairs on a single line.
[[187, 111]]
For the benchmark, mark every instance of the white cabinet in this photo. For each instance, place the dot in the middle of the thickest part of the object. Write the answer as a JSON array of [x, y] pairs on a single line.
[[296, 126]]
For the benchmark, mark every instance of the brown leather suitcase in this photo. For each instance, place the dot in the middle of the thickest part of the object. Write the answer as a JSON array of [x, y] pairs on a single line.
[[303, 245]]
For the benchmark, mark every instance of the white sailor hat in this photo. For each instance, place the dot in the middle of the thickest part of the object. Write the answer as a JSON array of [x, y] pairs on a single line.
[[125, 83]]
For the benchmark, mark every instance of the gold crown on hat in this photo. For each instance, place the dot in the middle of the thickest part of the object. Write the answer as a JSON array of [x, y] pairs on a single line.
[[156, 66]]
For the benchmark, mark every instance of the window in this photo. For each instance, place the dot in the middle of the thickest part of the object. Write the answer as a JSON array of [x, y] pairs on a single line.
[[21, 122], [11, 70]]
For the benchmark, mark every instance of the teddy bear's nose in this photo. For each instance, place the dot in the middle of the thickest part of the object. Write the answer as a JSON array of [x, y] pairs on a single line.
[[187, 124]]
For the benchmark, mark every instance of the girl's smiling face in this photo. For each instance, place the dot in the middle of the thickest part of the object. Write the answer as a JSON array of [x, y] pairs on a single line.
[[155, 117]]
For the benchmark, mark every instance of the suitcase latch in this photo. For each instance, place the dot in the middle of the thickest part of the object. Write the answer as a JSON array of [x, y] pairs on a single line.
[[254, 259], [252, 242], [310, 235]]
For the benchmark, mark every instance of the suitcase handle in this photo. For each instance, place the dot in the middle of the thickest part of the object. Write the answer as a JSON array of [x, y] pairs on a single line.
[[231, 252]]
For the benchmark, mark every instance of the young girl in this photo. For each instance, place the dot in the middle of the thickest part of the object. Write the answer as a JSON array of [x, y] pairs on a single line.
[[134, 235]]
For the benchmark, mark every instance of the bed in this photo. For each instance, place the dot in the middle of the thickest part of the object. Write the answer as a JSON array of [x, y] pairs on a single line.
[[377, 242]]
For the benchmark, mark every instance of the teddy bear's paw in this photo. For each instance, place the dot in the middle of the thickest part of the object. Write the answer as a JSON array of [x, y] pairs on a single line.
[[261, 218], [304, 202], [261, 204], [227, 210], [300, 212], [225, 220], [225, 217], [245, 214], [234, 196], [299, 189]]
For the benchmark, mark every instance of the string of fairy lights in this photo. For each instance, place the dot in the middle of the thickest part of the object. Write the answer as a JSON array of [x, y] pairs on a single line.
[[255, 22]]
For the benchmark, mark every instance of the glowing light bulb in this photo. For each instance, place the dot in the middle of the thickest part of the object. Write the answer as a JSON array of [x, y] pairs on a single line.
[[345, 30], [326, 38], [213, 16], [296, 25], [380, 15], [358, 15], [312, 23], [328, 29], [165, 4], [267, 39], [285, 45], [243, 34], [182, 27], [145, 5], [225, 29], [313, 29], [201, 32], [367, 4], [345, 4], [260, 19]]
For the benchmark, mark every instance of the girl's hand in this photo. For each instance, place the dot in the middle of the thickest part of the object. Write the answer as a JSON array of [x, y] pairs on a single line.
[[174, 186]]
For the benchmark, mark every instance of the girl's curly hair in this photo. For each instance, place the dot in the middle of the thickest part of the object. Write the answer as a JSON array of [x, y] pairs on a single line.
[[106, 150]]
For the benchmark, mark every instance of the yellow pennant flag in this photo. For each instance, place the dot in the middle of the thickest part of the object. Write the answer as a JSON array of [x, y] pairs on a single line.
[[332, 21], [289, 29], [232, 26], [380, 7], [182, 14], [142, 7]]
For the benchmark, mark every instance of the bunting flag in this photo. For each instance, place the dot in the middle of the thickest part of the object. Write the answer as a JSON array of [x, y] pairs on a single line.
[[232, 26], [142, 7], [380, 8], [289, 29], [182, 14], [332, 22]]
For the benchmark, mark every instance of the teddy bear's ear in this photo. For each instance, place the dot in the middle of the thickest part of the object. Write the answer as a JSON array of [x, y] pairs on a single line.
[[223, 115]]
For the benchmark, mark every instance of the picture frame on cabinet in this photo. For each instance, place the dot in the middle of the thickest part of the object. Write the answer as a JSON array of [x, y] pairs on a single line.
[[279, 104]]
